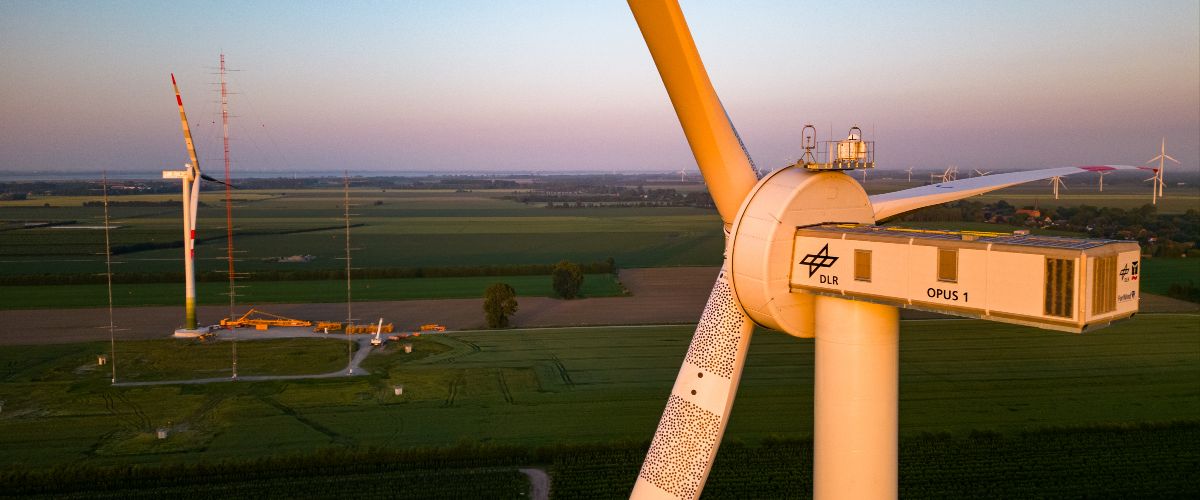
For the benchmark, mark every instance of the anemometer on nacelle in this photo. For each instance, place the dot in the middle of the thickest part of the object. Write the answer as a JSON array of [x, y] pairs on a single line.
[[851, 153]]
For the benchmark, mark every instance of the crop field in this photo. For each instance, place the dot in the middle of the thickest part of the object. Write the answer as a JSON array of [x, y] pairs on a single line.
[[392, 229], [1159, 274], [562, 386], [266, 292]]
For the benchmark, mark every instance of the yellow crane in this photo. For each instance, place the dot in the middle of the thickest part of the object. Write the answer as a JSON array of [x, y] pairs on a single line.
[[260, 323]]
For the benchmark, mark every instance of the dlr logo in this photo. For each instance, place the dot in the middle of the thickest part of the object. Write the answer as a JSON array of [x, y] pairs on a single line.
[[829, 280]]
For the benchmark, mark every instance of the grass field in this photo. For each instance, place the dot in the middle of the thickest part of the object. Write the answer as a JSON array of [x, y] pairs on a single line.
[[398, 229], [1159, 274], [402, 228], [1155, 461], [584, 385], [260, 292]]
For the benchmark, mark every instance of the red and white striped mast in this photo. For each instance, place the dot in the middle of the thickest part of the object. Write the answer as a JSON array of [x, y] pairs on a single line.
[[228, 202]]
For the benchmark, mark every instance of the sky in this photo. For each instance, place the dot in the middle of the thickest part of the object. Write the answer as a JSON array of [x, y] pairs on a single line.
[[550, 85]]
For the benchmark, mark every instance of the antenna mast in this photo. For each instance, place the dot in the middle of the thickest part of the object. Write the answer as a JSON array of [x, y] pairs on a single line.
[[228, 203], [112, 338], [349, 314]]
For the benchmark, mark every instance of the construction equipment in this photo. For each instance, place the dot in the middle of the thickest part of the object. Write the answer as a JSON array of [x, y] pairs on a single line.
[[433, 327], [378, 330], [327, 326], [260, 323], [368, 328]]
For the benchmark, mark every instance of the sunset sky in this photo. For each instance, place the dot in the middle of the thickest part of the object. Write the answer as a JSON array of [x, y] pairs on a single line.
[[515, 86]]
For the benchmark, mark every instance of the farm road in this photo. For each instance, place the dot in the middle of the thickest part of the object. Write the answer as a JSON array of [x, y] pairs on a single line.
[[659, 296]]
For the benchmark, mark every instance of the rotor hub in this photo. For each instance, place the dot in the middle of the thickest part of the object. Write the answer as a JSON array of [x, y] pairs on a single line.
[[762, 237]]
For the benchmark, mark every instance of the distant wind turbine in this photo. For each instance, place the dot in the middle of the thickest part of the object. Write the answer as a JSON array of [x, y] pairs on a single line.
[[910, 169], [1155, 186], [1057, 181], [1162, 156], [950, 174], [982, 173], [1102, 174]]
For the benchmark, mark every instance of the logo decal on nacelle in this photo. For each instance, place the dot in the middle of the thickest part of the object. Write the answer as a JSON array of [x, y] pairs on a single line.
[[819, 260]]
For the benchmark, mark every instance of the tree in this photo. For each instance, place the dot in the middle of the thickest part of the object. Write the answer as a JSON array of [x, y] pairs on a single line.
[[568, 279], [499, 302]]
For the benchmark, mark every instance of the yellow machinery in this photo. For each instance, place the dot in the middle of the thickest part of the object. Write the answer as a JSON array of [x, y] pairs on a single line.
[[261, 323], [433, 327], [327, 326], [369, 328]]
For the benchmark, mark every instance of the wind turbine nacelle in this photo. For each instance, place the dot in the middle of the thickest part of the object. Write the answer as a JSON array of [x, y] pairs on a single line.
[[1065, 284], [763, 235]]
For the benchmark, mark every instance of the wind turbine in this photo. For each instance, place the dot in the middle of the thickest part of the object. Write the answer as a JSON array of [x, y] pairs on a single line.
[[950, 174], [191, 177], [856, 369], [1102, 174], [910, 169], [1162, 155], [1056, 182], [1155, 186], [982, 173]]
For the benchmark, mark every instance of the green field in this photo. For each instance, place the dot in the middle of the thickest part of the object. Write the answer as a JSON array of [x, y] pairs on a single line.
[[1155, 461], [252, 292], [561, 386], [1159, 274], [406, 229]]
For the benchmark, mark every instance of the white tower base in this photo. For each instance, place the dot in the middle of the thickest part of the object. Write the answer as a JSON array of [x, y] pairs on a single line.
[[855, 400]]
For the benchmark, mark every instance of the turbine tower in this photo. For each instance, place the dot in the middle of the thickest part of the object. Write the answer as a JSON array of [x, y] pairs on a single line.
[[777, 275], [1102, 174], [1155, 186], [1162, 155], [910, 169], [191, 177]]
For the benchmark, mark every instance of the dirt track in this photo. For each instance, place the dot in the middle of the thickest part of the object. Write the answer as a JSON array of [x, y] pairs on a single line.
[[661, 295]]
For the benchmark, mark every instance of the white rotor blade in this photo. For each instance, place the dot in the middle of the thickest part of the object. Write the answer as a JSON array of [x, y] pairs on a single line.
[[686, 441], [195, 202], [897, 202], [1169, 158]]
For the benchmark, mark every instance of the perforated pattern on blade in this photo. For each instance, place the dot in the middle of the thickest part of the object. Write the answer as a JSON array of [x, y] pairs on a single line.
[[714, 347], [678, 458]]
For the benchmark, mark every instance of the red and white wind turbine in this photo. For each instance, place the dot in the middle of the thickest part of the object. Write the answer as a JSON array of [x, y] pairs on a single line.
[[763, 281], [191, 177]]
